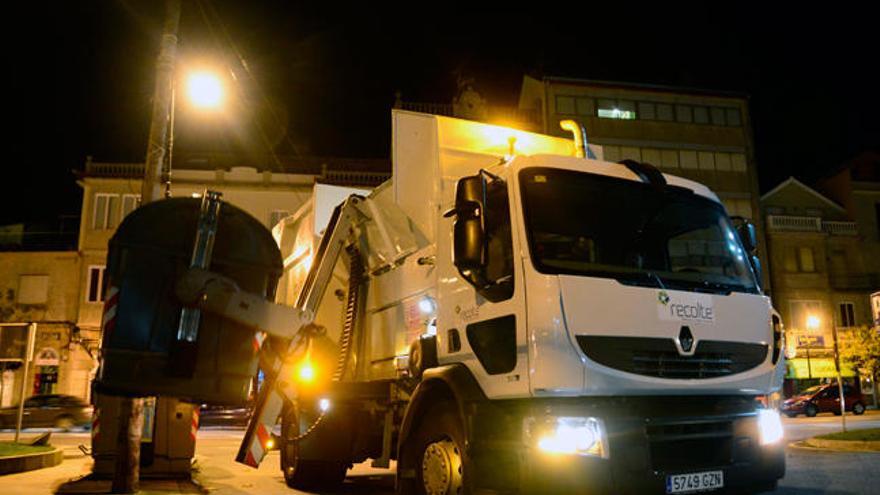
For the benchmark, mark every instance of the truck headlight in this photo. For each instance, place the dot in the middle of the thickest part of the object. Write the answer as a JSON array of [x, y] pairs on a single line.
[[567, 435], [769, 426]]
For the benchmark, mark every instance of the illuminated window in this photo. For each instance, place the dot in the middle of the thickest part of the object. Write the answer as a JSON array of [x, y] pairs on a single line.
[[611, 109]]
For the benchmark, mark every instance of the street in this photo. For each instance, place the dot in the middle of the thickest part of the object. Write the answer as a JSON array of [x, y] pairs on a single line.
[[807, 472]]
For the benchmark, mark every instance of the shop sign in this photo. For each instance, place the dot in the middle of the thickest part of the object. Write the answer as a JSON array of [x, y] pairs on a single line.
[[811, 341], [816, 368], [47, 357]]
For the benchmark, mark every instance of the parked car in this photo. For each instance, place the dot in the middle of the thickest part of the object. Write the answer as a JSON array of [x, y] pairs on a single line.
[[823, 398], [224, 415], [50, 410]]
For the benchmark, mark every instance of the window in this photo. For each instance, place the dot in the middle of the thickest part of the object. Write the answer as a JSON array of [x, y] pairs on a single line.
[[612, 153], [105, 213], [629, 153], [701, 115], [96, 283], [846, 314], [805, 258], [738, 162], [565, 105], [129, 203], [651, 156], [733, 117], [684, 113], [647, 111], [706, 159], [33, 289], [276, 217], [585, 106], [718, 116], [669, 158], [499, 241], [803, 313], [664, 112], [722, 162], [791, 263], [688, 159]]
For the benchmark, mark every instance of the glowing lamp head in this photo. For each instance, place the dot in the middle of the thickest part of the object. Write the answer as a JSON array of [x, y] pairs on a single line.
[[205, 90], [324, 405], [813, 322], [306, 372]]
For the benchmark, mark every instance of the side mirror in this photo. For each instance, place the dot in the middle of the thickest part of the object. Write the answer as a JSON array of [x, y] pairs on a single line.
[[748, 236], [469, 246]]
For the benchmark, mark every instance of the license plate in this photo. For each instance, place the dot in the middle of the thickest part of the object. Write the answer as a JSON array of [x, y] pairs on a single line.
[[694, 482]]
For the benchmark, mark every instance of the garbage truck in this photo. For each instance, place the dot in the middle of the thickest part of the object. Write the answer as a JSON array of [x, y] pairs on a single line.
[[508, 313]]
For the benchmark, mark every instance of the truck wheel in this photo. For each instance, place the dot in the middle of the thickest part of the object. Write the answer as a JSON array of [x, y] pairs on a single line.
[[303, 474], [811, 411], [858, 409], [435, 455]]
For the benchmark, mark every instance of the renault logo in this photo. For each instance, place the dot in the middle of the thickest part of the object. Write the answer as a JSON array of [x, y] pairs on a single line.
[[686, 339]]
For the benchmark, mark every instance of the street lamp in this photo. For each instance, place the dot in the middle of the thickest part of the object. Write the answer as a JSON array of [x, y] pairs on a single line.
[[205, 90]]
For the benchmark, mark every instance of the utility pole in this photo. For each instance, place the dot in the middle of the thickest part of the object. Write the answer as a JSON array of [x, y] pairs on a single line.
[[839, 380], [126, 475]]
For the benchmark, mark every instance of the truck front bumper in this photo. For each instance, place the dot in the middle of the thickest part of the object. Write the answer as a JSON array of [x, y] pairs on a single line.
[[648, 439]]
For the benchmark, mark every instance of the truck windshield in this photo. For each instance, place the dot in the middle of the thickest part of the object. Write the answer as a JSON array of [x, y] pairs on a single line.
[[668, 237]]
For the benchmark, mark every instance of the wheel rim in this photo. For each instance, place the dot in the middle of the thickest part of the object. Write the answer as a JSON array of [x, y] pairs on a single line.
[[858, 408], [441, 468]]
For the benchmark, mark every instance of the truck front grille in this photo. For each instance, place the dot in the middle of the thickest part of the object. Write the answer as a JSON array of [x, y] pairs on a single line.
[[659, 357]]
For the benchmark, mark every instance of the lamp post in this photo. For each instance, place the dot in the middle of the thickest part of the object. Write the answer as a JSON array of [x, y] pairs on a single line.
[[840, 394]]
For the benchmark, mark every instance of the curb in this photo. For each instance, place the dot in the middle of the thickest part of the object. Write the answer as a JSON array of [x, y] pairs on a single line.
[[835, 446], [29, 462]]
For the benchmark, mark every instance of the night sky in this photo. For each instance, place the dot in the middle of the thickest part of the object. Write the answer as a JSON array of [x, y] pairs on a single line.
[[80, 77]]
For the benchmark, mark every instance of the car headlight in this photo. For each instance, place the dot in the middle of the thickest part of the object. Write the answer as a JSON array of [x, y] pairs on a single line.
[[567, 435], [769, 426]]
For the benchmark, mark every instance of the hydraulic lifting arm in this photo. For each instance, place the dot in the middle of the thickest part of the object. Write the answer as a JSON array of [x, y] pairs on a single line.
[[289, 325]]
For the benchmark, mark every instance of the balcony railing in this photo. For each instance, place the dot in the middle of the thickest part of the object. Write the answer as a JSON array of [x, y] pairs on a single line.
[[790, 223], [102, 169], [786, 223]]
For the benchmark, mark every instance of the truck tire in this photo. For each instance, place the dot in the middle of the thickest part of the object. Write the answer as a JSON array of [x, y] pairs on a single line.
[[435, 455], [309, 475]]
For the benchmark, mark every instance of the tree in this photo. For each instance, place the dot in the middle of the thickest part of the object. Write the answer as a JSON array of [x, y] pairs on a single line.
[[863, 353]]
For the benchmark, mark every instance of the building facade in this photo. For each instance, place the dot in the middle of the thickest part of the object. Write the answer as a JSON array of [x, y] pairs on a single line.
[[43, 288], [821, 268], [698, 134]]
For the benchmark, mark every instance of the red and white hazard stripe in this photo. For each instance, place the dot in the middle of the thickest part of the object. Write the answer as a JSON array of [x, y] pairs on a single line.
[[96, 424], [259, 338], [194, 427], [111, 301]]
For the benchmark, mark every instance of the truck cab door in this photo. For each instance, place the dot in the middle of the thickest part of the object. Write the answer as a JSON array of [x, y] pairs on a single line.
[[481, 319]]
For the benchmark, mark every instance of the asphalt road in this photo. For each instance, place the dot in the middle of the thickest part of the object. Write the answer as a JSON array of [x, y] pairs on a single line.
[[808, 472]]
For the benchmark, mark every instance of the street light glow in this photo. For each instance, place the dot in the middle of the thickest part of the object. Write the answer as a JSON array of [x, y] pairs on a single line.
[[204, 90], [812, 322]]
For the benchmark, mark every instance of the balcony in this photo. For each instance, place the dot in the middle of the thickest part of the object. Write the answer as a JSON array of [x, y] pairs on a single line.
[[861, 281], [790, 223], [125, 170]]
